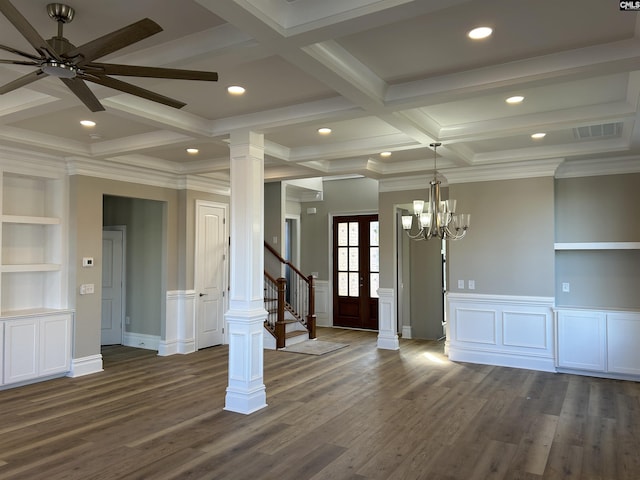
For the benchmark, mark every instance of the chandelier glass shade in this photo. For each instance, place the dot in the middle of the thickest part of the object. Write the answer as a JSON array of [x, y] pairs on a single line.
[[435, 217]]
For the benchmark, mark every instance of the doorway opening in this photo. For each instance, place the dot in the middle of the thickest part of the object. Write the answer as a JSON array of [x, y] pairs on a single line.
[[356, 271], [143, 271]]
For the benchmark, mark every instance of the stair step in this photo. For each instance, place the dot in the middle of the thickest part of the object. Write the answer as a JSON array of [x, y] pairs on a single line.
[[295, 333]]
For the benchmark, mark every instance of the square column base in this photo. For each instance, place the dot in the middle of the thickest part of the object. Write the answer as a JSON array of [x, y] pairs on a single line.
[[246, 392], [245, 402]]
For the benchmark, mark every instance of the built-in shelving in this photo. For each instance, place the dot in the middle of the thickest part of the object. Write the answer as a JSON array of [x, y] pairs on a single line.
[[30, 267], [597, 246], [30, 220], [35, 322], [33, 212]]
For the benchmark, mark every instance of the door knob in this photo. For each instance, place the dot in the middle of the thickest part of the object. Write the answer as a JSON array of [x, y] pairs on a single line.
[[202, 294]]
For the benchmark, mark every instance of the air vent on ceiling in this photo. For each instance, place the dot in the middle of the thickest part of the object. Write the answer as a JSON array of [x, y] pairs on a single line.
[[605, 130]]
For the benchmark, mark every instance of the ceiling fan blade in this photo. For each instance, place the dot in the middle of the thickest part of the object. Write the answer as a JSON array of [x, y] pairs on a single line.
[[134, 90], [27, 31], [86, 96], [19, 52], [19, 62], [114, 41], [22, 81], [155, 72]]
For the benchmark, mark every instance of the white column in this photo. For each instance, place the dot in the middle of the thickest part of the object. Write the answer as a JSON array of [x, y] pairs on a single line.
[[387, 331], [246, 315]]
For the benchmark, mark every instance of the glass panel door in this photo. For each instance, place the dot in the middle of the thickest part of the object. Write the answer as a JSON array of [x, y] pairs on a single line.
[[356, 271]]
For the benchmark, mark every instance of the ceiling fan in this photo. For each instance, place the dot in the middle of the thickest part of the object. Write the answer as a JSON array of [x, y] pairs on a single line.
[[57, 57]]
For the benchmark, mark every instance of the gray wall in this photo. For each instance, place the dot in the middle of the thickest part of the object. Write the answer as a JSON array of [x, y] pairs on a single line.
[[349, 196], [273, 225], [144, 227], [598, 209], [426, 298], [509, 249]]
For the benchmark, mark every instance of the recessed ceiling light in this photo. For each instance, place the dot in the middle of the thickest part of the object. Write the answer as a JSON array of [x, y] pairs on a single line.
[[515, 99], [192, 151], [480, 33], [235, 90], [87, 123], [324, 131], [538, 136], [385, 154]]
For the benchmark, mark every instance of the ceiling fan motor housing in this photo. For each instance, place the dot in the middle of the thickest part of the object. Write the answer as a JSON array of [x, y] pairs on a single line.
[[60, 12]]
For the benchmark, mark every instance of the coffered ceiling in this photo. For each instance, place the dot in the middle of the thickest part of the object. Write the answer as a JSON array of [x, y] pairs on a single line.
[[385, 75]]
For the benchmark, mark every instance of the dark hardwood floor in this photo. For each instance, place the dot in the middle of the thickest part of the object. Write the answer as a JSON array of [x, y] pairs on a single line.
[[356, 413]]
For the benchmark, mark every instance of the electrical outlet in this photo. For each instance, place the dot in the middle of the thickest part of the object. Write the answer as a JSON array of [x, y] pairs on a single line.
[[566, 287], [461, 284], [472, 284]]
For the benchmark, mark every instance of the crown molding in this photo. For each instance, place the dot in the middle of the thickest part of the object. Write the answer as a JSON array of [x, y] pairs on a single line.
[[23, 162], [145, 176], [480, 173], [503, 171], [595, 167], [205, 184]]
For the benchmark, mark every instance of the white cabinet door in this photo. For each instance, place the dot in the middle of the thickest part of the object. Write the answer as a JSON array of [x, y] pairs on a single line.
[[55, 344], [623, 332], [20, 350], [582, 340]]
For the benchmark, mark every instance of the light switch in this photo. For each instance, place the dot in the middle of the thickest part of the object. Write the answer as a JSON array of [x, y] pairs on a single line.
[[461, 284], [87, 261], [566, 288], [472, 284]]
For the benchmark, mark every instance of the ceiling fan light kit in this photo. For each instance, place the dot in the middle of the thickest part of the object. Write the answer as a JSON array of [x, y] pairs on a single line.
[[57, 57]]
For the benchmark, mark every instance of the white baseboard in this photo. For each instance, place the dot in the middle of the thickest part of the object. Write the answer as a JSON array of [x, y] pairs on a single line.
[[406, 332], [85, 365], [141, 340], [507, 359], [176, 347]]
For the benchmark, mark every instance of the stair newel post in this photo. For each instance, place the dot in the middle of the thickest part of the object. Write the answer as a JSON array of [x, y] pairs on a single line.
[[280, 325], [311, 316]]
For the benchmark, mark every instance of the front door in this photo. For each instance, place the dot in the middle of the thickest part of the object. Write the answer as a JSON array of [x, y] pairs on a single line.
[[112, 283], [210, 260], [356, 271]]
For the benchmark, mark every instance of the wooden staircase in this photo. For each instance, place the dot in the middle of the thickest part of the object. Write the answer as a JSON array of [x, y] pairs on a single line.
[[290, 307]]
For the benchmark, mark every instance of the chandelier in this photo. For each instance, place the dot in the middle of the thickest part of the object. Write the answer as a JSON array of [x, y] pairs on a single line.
[[440, 218]]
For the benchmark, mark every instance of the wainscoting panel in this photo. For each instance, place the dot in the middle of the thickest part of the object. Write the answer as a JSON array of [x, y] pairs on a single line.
[[324, 310], [475, 326], [501, 330], [522, 329]]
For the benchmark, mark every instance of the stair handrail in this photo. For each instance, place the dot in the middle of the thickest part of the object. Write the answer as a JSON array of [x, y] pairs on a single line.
[[282, 260], [308, 318]]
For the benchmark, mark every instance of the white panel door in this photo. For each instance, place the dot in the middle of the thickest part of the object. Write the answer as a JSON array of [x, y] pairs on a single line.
[[211, 274], [55, 344], [21, 350], [112, 282]]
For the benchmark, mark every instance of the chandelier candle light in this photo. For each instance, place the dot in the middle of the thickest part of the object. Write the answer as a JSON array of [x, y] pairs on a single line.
[[440, 219]]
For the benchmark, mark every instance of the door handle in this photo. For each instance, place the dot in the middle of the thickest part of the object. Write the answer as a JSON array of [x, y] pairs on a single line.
[[202, 294]]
